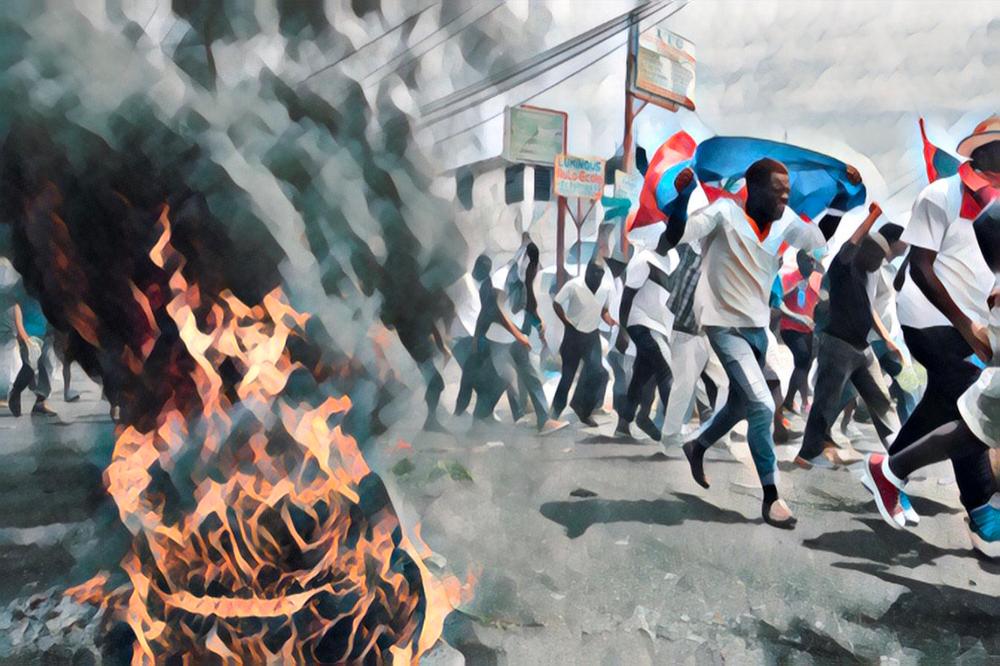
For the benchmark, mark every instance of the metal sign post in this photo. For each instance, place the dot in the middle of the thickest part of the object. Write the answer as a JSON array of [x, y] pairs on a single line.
[[580, 178], [660, 71]]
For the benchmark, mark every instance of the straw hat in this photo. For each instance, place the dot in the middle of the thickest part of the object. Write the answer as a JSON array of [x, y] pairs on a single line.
[[985, 132]]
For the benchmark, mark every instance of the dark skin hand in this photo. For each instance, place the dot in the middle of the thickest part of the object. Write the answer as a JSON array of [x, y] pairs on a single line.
[[922, 271]]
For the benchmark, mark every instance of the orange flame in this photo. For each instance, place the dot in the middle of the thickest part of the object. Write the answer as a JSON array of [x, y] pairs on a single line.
[[260, 533]]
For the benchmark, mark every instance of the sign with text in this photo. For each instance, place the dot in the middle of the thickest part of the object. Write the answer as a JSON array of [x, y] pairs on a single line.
[[628, 186], [533, 135], [579, 177], [664, 68]]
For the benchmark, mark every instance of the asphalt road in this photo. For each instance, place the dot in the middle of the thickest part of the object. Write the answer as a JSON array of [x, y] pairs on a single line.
[[587, 550]]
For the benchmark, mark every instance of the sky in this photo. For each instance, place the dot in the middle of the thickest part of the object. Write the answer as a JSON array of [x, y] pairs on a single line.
[[848, 78]]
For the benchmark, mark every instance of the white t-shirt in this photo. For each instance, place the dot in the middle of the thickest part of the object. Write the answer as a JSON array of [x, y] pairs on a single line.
[[649, 308], [936, 224], [884, 301], [496, 332], [464, 293], [738, 268], [583, 308]]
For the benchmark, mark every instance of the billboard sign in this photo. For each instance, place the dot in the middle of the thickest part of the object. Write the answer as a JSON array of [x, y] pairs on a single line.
[[579, 177], [533, 135], [664, 68]]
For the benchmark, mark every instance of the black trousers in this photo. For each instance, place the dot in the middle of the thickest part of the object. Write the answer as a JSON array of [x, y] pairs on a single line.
[[943, 352], [649, 364], [577, 348]]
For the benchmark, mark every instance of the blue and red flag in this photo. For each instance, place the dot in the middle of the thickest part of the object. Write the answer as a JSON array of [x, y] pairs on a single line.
[[658, 192], [939, 163], [819, 183]]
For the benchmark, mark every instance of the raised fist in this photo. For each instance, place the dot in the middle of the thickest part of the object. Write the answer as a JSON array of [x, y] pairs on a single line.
[[684, 179]]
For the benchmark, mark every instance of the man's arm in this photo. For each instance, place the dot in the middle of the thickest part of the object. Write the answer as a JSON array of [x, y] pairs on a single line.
[[883, 333], [505, 321], [19, 329], [831, 221], [558, 309], [623, 313], [874, 212], [606, 316], [922, 272]]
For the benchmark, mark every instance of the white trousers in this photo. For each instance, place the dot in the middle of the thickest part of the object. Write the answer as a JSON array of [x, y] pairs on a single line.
[[692, 355]]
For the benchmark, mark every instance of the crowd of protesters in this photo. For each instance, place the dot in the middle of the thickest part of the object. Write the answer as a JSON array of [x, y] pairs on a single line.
[[682, 330]]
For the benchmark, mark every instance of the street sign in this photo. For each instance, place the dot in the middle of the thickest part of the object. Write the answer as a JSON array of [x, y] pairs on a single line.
[[664, 71], [579, 177], [628, 186], [533, 135]]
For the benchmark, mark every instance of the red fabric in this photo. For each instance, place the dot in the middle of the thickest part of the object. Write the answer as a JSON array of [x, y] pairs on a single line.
[[977, 193], [674, 150], [791, 299]]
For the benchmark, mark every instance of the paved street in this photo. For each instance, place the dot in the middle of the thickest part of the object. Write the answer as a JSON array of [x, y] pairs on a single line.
[[597, 551], [587, 550]]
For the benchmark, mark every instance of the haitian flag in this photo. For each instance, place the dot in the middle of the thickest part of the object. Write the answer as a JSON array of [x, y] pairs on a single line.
[[818, 182], [658, 192], [939, 163]]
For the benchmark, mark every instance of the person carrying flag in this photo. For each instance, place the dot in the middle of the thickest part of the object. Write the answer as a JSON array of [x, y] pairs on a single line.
[[943, 310], [969, 437], [742, 248]]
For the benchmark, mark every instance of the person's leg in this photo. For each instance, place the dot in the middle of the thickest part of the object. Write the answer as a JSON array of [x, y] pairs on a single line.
[[835, 362], [593, 384], [885, 477], [571, 351], [689, 358], [943, 351], [952, 440], [797, 344], [468, 361], [641, 370], [532, 384], [870, 384], [493, 377], [25, 377], [432, 396], [619, 377], [743, 353]]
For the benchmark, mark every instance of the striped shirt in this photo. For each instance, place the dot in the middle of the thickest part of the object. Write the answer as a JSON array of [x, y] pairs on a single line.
[[682, 282]]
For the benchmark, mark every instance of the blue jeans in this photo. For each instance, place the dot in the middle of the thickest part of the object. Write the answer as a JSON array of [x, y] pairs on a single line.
[[742, 354]]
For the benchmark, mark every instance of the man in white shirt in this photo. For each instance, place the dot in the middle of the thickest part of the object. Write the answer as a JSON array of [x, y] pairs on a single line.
[[742, 250], [509, 354], [581, 305], [648, 323], [942, 305]]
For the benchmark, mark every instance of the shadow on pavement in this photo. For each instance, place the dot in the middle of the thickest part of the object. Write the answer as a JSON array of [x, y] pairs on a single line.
[[577, 517], [611, 439], [938, 620], [881, 543]]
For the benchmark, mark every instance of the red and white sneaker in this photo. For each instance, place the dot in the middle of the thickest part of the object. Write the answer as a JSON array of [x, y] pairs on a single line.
[[885, 491]]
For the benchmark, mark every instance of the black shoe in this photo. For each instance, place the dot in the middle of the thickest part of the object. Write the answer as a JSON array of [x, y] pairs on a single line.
[[695, 455], [41, 409], [623, 429], [433, 425], [787, 524], [14, 403], [647, 426], [71, 396], [585, 419]]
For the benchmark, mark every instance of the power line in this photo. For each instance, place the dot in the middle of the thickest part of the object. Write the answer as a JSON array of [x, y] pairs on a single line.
[[426, 51], [553, 85], [408, 20], [461, 100]]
